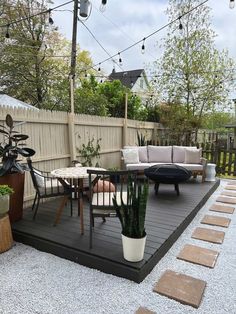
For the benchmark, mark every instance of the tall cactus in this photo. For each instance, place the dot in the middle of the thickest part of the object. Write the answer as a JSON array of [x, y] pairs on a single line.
[[132, 213]]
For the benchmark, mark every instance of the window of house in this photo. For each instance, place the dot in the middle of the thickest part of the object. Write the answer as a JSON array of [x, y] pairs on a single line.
[[141, 83]]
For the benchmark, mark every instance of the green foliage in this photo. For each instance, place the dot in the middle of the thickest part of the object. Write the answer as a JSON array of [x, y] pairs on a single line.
[[192, 73], [217, 120], [5, 190], [29, 71], [9, 149], [90, 151], [141, 139], [88, 99], [132, 215]]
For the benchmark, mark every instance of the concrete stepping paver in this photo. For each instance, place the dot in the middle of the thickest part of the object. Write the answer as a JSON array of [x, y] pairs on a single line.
[[227, 200], [209, 235], [198, 255], [216, 221], [144, 310], [228, 193], [230, 187], [231, 183], [180, 287], [222, 208]]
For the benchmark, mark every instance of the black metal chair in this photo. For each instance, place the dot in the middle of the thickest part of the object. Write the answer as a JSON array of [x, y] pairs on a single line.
[[47, 186], [103, 186]]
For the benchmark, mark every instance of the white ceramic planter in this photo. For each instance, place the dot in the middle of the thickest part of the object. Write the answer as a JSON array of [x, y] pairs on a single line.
[[133, 249], [210, 173], [4, 204]]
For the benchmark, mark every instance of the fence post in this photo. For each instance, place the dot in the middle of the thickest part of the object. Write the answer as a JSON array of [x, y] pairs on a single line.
[[71, 133]]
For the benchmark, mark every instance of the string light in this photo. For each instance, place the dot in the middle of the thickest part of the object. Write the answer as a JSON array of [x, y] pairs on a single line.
[[180, 24], [85, 74], [50, 20], [143, 46], [99, 68], [120, 60], [231, 4], [103, 6], [7, 32]]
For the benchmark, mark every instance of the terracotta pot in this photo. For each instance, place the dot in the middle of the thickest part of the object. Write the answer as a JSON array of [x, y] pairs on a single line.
[[16, 182]]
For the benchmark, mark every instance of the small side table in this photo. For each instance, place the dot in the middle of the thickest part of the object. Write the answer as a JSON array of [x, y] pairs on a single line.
[[210, 172]]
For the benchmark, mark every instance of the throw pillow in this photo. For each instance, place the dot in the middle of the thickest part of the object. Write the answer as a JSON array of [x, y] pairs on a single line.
[[131, 156], [103, 186], [193, 156]]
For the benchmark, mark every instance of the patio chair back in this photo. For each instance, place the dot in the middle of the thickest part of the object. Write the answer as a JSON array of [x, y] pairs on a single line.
[[47, 186], [103, 187]]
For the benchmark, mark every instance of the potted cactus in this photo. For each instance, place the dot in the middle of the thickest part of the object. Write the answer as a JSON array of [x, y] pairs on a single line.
[[132, 218], [11, 170]]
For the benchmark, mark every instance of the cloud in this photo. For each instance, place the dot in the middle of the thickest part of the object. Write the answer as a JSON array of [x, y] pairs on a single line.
[[127, 21]]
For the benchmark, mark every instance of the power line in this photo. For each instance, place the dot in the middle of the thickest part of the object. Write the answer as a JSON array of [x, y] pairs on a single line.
[[104, 49], [148, 36], [36, 14], [117, 26]]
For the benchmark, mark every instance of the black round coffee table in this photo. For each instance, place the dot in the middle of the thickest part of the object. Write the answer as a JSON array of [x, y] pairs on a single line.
[[167, 174]]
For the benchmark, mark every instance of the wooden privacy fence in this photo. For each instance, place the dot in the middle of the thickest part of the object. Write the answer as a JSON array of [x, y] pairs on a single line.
[[56, 137], [225, 160]]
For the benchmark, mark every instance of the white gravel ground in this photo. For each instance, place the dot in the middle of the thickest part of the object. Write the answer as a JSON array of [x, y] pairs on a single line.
[[35, 282]]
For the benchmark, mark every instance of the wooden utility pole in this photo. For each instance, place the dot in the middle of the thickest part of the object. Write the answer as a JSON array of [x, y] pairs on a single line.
[[125, 125], [71, 118]]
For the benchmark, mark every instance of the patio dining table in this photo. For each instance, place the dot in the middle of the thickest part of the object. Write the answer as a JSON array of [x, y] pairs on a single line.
[[75, 176]]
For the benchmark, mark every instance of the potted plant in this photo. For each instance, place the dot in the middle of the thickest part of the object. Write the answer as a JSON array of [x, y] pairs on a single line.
[[5, 227], [11, 170], [113, 177], [5, 192], [132, 217]]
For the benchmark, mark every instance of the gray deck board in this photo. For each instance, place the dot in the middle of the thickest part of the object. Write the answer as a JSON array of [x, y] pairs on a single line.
[[167, 216]]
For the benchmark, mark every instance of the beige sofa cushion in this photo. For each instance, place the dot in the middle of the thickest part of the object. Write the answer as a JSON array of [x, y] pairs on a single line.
[[192, 167], [131, 155], [179, 153], [193, 156], [142, 152], [161, 154]]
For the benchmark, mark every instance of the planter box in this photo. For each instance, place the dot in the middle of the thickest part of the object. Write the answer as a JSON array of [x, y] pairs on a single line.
[[16, 182]]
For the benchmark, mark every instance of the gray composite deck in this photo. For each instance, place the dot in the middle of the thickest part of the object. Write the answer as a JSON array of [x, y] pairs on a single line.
[[167, 216]]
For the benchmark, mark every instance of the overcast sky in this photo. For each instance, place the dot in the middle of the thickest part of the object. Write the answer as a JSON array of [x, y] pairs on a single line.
[[127, 21]]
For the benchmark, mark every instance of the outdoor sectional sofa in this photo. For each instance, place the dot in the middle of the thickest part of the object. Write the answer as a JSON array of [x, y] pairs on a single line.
[[142, 157]]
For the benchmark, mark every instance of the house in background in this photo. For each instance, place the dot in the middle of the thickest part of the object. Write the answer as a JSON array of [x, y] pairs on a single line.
[[12, 102], [136, 80]]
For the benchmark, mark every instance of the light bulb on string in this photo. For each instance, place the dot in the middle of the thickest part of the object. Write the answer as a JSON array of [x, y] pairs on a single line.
[[180, 24], [231, 4], [50, 20], [143, 46], [85, 74], [99, 68], [102, 7], [120, 60]]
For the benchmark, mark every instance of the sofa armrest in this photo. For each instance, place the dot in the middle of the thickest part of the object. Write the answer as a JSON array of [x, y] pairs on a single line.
[[203, 162]]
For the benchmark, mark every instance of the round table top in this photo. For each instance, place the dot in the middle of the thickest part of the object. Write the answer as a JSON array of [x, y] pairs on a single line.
[[73, 172]]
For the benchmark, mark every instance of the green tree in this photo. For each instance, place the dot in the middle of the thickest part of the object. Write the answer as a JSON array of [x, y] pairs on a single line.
[[88, 99], [29, 69], [115, 93], [192, 73]]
